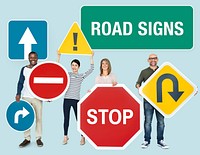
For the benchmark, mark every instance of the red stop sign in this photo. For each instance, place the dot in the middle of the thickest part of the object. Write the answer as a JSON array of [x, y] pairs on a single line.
[[109, 117]]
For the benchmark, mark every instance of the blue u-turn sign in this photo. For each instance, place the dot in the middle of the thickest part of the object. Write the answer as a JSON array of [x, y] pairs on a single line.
[[25, 36]]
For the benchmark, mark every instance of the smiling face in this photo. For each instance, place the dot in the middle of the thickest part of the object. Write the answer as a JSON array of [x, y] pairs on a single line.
[[33, 58], [105, 66], [153, 60], [74, 67]]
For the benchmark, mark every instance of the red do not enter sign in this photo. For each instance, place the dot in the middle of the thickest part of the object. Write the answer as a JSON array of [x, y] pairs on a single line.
[[48, 81]]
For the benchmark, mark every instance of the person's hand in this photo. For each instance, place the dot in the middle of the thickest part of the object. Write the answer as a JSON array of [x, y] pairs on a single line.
[[58, 52], [92, 55], [114, 83], [138, 87], [196, 91], [139, 92], [91, 58], [17, 98], [58, 58]]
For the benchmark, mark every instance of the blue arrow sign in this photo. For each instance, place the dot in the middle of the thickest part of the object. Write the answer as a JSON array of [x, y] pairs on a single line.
[[20, 115], [25, 36]]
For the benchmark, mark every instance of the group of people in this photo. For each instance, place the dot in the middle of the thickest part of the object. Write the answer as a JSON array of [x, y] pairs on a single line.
[[72, 97]]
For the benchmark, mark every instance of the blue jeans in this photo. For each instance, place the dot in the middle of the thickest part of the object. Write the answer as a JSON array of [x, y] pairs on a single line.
[[148, 113]]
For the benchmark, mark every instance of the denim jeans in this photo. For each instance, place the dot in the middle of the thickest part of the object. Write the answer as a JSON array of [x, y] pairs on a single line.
[[148, 113], [67, 104]]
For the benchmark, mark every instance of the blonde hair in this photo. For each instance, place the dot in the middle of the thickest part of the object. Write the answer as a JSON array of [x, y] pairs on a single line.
[[109, 66]]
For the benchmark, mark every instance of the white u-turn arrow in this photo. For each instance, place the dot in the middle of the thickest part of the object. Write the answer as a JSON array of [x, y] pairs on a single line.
[[27, 39], [22, 112]]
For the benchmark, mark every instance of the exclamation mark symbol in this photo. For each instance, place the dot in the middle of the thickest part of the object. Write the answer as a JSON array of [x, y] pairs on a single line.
[[75, 37]]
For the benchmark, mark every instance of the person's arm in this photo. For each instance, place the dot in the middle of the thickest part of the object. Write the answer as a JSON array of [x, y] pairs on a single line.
[[139, 81], [97, 80], [88, 72], [91, 66], [114, 80], [20, 85], [92, 58], [58, 56]]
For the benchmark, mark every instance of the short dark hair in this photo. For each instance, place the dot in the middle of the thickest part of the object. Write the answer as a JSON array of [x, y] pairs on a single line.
[[76, 61], [32, 53]]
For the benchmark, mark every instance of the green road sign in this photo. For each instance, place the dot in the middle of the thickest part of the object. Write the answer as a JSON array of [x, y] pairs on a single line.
[[138, 27]]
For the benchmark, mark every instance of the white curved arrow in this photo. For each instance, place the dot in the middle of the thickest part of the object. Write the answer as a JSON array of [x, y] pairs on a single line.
[[27, 39], [22, 112]]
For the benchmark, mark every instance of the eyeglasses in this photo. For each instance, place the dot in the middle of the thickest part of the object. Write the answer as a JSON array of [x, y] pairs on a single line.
[[153, 58]]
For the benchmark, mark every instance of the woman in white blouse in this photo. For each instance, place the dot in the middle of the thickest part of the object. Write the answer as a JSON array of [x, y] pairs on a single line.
[[106, 77]]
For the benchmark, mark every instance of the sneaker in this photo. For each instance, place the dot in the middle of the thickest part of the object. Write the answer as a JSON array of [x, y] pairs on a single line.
[[24, 143], [163, 145], [145, 144], [39, 143]]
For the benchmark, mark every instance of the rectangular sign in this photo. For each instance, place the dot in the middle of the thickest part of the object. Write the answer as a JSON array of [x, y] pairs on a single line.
[[25, 36], [138, 27]]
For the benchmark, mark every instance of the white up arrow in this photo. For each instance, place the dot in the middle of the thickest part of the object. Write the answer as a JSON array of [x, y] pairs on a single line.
[[27, 39], [22, 112]]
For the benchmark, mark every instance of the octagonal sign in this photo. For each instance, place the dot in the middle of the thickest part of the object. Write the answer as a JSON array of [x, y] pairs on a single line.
[[109, 117]]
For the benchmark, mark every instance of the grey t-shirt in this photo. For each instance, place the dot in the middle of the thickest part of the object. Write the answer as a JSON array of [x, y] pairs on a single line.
[[76, 80]]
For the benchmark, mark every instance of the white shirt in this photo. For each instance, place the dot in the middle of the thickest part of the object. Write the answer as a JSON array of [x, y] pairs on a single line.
[[25, 91], [109, 79]]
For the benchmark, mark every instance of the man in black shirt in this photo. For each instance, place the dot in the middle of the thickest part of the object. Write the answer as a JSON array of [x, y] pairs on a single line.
[[149, 109]]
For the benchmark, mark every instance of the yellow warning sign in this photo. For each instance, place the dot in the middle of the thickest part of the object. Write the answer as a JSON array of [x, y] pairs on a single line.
[[75, 42], [167, 89]]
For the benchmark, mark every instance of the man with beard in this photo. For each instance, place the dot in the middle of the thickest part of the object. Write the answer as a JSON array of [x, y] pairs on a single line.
[[26, 95], [149, 109]]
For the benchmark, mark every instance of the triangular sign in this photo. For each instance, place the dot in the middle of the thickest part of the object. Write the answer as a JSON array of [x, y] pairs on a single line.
[[75, 42]]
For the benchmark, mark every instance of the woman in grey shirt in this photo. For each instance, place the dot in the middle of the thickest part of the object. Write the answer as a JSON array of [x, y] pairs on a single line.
[[72, 95]]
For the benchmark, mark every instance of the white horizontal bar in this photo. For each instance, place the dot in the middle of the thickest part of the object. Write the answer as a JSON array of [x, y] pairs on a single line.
[[48, 80]]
